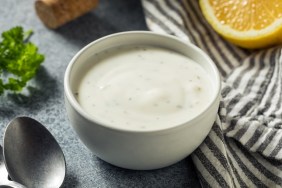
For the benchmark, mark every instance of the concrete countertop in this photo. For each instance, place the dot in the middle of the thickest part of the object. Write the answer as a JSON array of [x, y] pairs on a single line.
[[46, 103]]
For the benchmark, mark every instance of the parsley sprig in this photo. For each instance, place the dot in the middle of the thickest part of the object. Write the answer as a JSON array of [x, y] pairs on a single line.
[[19, 59]]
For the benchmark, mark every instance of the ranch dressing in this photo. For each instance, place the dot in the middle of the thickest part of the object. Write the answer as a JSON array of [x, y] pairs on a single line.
[[144, 88]]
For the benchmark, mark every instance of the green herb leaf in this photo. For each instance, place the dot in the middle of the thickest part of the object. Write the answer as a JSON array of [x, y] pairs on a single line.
[[19, 59]]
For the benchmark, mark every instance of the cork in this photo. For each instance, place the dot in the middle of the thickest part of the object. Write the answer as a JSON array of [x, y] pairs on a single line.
[[55, 13]]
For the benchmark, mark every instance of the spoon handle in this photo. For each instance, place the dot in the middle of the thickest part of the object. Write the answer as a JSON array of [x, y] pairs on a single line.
[[12, 184]]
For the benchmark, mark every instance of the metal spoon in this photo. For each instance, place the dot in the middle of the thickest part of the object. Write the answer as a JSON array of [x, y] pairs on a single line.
[[32, 155], [4, 181]]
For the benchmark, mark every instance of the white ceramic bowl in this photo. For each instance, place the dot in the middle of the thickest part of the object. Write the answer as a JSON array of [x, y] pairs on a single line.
[[142, 150]]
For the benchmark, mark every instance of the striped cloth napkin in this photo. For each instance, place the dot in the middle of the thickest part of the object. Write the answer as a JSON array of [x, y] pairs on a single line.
[[243, 149]]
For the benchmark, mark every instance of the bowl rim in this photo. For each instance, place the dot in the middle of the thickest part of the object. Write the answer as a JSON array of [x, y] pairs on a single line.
[[74, 103]]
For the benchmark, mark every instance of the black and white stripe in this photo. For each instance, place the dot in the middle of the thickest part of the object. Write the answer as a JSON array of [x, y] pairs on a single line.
[[244, 147]]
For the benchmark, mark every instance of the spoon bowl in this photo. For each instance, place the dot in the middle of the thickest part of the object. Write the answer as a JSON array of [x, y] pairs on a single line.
[[32, 155]]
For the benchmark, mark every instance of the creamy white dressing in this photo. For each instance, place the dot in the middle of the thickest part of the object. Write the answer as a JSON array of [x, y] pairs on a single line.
[[144, 87]]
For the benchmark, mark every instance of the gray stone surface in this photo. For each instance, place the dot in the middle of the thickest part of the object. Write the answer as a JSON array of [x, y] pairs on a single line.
[[44, 100]]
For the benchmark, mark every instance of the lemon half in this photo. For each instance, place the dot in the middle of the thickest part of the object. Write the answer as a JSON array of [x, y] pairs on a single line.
[[246, 23]]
